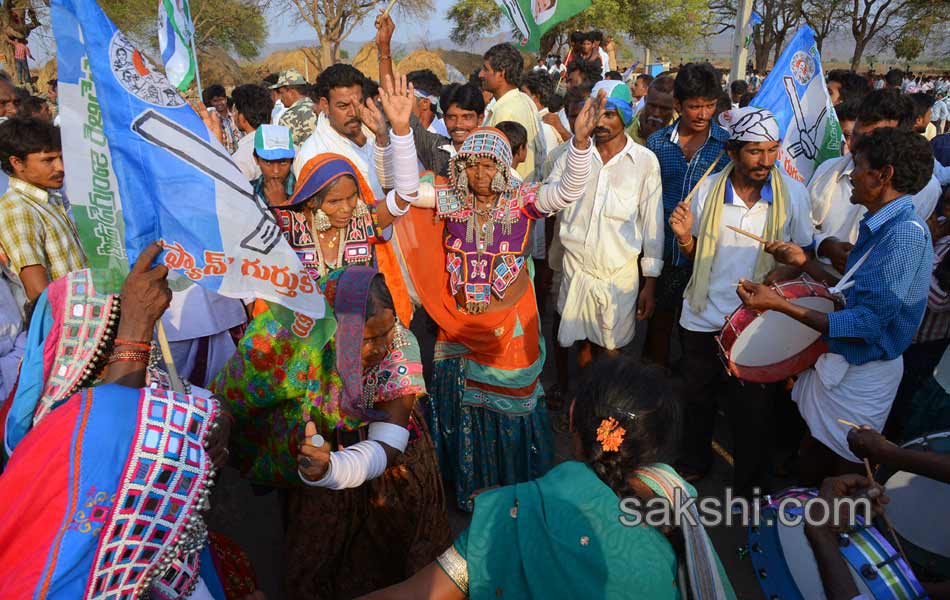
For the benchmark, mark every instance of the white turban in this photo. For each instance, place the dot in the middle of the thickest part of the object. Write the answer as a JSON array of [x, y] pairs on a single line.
[[750, 124]]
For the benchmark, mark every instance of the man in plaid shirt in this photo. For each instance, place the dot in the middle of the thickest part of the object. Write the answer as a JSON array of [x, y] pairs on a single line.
[[38, 240]]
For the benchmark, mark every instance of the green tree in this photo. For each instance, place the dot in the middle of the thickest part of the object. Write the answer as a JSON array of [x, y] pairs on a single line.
[[908, 48], [236, 26]]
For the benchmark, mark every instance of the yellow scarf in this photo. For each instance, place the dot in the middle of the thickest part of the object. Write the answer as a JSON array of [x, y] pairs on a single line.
[[697, 289]]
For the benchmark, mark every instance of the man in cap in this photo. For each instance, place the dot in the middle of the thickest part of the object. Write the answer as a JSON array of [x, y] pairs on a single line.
[[885, 290], [299, 116], [752, 194], [274, 154], [610, 235]]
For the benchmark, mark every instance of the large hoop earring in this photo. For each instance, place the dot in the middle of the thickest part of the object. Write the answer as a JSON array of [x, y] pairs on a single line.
[[321, 222]]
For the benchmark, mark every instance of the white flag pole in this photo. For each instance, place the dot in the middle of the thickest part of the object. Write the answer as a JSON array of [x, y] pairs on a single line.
[[740, 51], [194, 48]]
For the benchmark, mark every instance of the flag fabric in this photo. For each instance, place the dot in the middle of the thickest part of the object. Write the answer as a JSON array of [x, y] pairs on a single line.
[[533, 18], [795, 92], [175, 33], [141, 166], [754, 19]]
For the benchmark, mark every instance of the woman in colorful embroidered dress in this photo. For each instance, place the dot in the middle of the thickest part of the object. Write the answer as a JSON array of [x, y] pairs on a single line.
[[488, 424], [105, 494], [334, 220], [78, 339], [559, 536], [337, 424]]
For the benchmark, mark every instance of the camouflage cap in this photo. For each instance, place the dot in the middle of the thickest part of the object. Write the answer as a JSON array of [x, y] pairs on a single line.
[[289, 77]]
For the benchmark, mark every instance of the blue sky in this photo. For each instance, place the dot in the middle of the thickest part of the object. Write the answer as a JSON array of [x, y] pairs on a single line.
[[282, 29]]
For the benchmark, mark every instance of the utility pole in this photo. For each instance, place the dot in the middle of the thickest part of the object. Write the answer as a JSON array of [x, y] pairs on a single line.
[[740, 53]]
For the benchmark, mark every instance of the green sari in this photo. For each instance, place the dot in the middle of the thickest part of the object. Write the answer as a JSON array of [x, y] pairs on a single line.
[[560, 536]]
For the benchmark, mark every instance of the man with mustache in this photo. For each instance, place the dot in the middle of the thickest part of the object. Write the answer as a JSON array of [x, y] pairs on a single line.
[[657, 112], [38, 239], [837, 219], [339, 127], [686, 149], [501, 75], [753, 194], [609, 236]]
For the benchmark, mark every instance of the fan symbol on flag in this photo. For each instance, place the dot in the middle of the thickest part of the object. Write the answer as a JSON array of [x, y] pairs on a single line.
[[807, 143]]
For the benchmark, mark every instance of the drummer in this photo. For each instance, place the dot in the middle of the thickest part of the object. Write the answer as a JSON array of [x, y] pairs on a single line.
[[754, 195], [857, 379]]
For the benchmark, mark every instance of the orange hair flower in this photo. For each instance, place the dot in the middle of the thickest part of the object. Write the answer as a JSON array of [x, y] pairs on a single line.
[[610, 434]]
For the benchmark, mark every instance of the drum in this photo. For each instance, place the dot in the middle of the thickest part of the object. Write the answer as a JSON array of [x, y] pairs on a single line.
[[769, 346], [918, 511], [785, 564]]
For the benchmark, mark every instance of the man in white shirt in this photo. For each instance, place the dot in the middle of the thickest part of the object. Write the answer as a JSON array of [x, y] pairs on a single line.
[[252, 107], [835, 216], [501, 74], [609, 236], [339, 125], [753, 194]]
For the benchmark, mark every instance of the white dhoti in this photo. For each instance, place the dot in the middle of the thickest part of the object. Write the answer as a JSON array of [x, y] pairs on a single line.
[[834, 389], [596, 306]]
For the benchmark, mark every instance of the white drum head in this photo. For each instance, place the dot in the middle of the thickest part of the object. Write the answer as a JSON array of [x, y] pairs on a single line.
[[774, 337], [918, 511], [801, 564]]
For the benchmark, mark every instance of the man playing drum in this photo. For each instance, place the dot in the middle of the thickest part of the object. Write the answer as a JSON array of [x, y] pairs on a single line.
[[751, 194], [889, 271]]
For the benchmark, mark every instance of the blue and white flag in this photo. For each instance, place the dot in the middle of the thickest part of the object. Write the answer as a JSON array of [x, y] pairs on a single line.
[[141, 166], [795, 92], [175, 34], [754, 19]]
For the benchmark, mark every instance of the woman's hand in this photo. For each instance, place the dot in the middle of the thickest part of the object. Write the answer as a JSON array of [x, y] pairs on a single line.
[[397, 97], [144, 298], [587, 120], [313, 461]]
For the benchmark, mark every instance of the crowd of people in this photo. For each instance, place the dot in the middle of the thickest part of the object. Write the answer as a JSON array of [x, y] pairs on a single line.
[[444, 224]]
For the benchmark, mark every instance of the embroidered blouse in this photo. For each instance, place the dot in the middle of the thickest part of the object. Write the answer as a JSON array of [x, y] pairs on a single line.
[[362, 234], [487, 262]]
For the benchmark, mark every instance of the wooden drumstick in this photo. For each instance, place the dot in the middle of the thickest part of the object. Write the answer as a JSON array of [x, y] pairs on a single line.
[[887, 522], [748, 234], [692, 192]]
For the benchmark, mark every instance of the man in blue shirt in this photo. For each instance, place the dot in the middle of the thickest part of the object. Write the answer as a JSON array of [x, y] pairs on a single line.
[[889, 266], [686, 149]]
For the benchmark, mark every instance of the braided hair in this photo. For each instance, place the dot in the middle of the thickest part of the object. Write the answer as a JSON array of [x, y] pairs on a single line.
[[642, 400]]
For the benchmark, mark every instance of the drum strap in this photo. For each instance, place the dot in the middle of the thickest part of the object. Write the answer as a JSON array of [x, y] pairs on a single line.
[[845, 282]]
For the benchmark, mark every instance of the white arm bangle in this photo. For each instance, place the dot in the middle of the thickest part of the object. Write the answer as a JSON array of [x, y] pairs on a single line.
[[405, 165], [426, 197], [393, 205], [352, 467], [394, 436], [382, 159]]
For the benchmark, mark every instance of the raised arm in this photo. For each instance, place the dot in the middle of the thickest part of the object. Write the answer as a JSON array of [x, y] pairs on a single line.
[[570, 187], [397, 99]]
